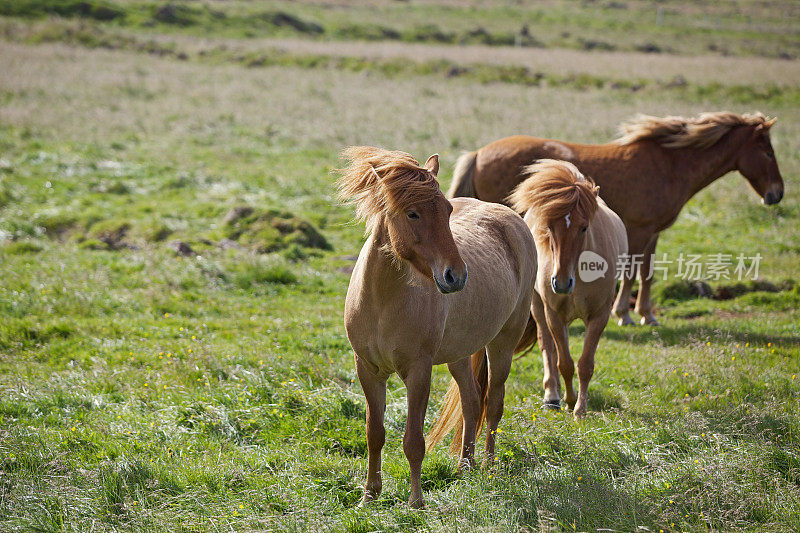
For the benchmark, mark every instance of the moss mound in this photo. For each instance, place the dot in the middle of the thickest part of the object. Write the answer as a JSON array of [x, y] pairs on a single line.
[[271, 230]]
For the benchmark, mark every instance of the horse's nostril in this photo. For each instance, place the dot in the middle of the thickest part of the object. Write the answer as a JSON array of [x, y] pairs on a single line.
[[448, 276]]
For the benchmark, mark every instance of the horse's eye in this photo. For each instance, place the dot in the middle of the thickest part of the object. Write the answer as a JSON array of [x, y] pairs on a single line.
[[413, 215], [583, 229], [770, 155]]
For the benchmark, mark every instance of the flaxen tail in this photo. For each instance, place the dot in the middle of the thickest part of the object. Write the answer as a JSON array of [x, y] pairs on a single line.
[[451, 417], [464, 176]]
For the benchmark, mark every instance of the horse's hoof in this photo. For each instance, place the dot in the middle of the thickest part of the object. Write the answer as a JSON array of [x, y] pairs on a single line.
[[416, 503], [649, 321], [364, 503], [370, 495], [625, 320], [465, 465], [551, 405]]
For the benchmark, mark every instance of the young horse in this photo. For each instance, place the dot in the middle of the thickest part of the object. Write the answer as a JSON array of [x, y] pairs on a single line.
[[409, 305], [647, 176], [570, 224], [572, 228]]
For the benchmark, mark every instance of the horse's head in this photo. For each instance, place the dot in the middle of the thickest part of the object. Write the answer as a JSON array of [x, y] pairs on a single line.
[[393, 188], [421, 235], [562, 204], [567, 238], [757, 163]]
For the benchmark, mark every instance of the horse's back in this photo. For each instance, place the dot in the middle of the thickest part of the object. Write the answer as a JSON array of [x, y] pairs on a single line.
[[498, 164]]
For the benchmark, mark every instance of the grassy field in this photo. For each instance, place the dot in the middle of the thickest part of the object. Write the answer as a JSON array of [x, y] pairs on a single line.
[[174, 264]]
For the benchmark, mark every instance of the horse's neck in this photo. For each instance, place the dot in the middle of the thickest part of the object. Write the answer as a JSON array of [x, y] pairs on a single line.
[[699, 168], [384, 273]]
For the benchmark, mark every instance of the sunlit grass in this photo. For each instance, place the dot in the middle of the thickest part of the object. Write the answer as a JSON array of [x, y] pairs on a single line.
[[143, 389]]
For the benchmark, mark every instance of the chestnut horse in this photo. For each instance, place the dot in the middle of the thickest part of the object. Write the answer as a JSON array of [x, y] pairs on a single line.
[[409, 305], [647, 175], [570, 224]]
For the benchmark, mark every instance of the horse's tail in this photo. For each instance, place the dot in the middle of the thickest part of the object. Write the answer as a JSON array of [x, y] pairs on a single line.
[[464, 176], [451, 416]]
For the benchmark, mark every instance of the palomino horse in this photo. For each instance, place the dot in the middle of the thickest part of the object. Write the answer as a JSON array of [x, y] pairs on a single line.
[[647, 175], [569, 224], [409, 305]]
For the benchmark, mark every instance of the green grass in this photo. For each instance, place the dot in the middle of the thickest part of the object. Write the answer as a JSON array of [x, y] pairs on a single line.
[[742, 27], [765, 93], [148, 389]]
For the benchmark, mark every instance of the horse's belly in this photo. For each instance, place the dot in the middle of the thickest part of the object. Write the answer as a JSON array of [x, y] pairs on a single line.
[[470, 327]]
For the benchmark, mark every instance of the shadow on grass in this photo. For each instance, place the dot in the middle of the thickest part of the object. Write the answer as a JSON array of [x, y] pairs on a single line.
[[584, 503], [681, 334]]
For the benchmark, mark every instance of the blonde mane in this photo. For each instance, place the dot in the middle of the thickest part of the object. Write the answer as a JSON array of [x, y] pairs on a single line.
[[552, 190], [702, 131], [382, 181]]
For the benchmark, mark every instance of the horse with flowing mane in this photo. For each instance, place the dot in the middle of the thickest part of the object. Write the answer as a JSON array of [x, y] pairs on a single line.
[[570, 225], [647, 175], [409, 305]]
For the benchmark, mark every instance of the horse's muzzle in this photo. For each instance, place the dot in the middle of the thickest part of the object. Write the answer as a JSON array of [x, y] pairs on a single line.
[[773, 197], [450, 282], [562, 289]]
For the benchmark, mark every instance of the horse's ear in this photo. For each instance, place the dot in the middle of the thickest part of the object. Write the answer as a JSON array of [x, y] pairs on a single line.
[[432, 164], [765, 126]]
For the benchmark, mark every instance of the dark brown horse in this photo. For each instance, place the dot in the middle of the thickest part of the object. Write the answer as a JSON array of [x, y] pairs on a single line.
[[646, 176]]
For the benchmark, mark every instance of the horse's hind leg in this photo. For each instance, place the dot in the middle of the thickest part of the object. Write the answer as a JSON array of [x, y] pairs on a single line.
[[470, 407], [644, 306], [500, 353], [375, 393], [418, 386], [566, 366], [594, 328], [551, 381], [622, 305]]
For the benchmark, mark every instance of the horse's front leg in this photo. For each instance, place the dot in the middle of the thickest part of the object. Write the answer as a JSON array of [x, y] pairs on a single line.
[[470, 406], [550, 381], [644, 306], [418, 386], [560, 334], [375, 393], [594, 328]]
